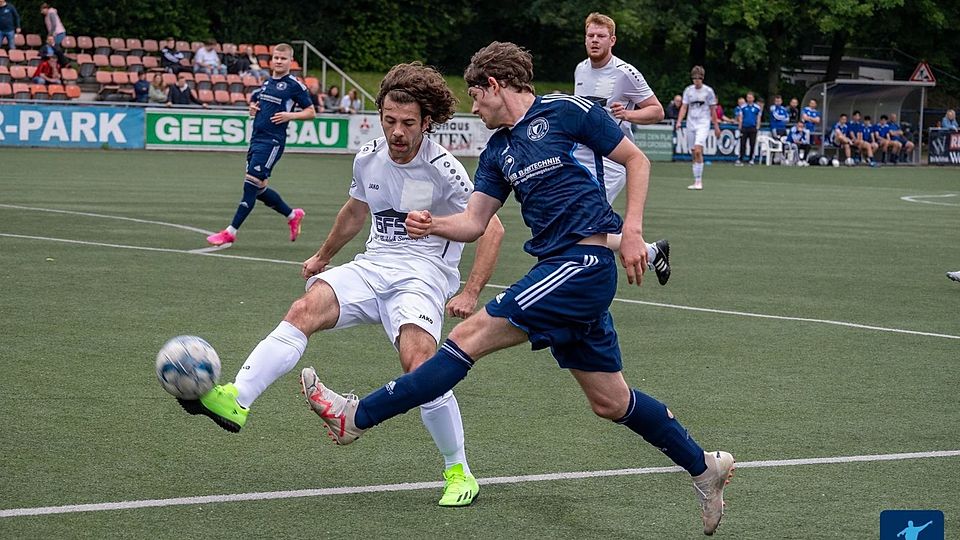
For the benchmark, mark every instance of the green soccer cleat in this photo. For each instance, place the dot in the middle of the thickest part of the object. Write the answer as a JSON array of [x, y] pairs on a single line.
[[460, 489], [220, 404]]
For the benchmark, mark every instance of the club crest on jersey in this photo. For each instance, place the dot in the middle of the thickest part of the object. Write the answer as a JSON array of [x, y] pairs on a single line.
[[281, 85], [538, 129]]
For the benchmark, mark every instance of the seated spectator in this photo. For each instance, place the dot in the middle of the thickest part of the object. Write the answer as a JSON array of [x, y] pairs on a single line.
[[673, 108], [9, 24], [158, 90], [54, 25], [950, 120], [48, 72], [316, 96], [898, 140], [141, 88], [840, 137], [206, 60], [798, 138], [250, 65], [170, 57], [351, 102], [50, 48], [332, 99], [182, 94], [794, 110]]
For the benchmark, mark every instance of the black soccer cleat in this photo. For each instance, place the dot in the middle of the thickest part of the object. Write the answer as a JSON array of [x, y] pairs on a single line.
[[661, 263]]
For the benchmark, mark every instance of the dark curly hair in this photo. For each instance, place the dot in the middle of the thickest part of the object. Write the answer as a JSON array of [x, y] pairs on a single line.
[[506, 62], [424, 85]]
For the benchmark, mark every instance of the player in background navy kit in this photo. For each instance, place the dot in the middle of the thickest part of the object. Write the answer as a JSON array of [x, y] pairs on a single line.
[[860, 138], [779, 117], [563, 301], [271, 107], [748, 120], [840, 137]]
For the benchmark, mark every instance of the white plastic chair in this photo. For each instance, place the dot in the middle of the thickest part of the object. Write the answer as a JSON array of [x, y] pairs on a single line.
[[768, 147]]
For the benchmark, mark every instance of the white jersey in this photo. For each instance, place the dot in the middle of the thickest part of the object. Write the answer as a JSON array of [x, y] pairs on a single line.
[[615, 81], [434, 180], [698, 104]]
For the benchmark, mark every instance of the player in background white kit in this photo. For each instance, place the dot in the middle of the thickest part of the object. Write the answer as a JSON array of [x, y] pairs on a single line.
[[398, 282], [621, 90], [700, 108]]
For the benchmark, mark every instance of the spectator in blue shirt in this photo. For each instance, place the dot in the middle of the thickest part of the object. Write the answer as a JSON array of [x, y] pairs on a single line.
[[748, 118], [950, 120], [798, 138], [811, 116], [9, 24], [141, 88], [779, 117]]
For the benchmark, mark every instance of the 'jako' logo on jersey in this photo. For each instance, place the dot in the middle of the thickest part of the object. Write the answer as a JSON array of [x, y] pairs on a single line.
[[537, 129]]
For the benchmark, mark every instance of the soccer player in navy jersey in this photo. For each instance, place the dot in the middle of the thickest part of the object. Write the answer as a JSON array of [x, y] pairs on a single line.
[[271, 107], [748, 120], [860, 138], [563, 301], [779, 117], [810, 116], [840, 137]]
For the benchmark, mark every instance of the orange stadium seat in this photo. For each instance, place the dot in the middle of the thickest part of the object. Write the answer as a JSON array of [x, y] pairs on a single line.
[[151, 63], [101, 45], [237, 98], [69, 42], [87, 65], [69, 75], [119, 45], [6, 90], [169, 79], [122, 77], [5, 74], [234, 83], [104, 77], [222, 97], [206, 96], [203, 81], [19, 74], [150, 46], [17, 56], [21, 91], [19, 41], [85, 43], [4, 57], [57, 92], [184, 47], [250, 83], [34, 41], [134, 47], [101, 60], [262, 52], [134, 63], [39, 91], [118, 61], [33, 57], [311, 80], [218, 82], [73, 91]]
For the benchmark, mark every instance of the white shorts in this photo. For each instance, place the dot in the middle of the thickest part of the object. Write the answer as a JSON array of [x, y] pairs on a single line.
[[369, 293], [697, 135], [614, 178]]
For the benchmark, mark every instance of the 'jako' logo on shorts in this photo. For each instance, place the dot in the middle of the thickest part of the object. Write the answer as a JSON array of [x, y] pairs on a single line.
[[537, 129]]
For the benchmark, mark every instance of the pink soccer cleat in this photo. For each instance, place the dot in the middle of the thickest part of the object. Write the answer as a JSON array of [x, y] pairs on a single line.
[[294, 223], [221, 238]]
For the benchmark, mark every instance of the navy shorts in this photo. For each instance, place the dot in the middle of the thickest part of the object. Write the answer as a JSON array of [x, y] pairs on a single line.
[[262, 156], [564, 303]]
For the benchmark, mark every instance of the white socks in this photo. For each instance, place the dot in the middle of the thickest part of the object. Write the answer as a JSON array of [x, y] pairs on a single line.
[[697, 172], [442, 419], [232, 230], [273, 357]]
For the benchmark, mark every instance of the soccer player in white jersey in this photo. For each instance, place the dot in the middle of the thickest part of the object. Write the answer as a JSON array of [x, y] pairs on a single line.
[[700, 109], [624, 94], [399, 282]]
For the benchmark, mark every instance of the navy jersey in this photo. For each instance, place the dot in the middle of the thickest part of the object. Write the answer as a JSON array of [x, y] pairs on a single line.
[[844, 129], [750, 114], [779, 116], [855, 128], [277, 95], [560, 200], [882, 131]]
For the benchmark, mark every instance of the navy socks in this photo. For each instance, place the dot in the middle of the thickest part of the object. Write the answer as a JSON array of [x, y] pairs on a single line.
[[273, 199], [654, 422], [246, 204], [429, 381]]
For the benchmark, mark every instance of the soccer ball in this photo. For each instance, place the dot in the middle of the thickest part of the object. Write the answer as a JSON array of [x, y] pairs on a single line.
[[835, 162], [824, 161], [187, 367]]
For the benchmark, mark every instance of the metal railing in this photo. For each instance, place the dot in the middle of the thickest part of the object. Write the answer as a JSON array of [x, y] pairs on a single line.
[[327, 64]]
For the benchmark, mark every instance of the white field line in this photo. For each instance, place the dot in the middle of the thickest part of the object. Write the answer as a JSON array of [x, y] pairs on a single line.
[[920, 199], [495, 286], [411, 486]]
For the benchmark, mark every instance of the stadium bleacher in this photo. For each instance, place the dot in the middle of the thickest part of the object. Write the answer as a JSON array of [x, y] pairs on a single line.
[[105, 68]]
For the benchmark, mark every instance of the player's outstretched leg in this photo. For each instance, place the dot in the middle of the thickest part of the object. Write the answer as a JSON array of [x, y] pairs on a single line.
[[220, 405], [337, 412], [294, 223], [709, 487]]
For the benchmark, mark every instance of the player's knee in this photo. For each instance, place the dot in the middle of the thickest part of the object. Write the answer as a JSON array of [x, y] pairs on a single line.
[[605, 406]]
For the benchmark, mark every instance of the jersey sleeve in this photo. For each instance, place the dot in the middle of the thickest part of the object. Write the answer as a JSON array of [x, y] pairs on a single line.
[[255, 95], [460, 185], [356, 183], [637, 88], [302, 97], [489, 178], [711, 97], [686, 96], [595, 129]]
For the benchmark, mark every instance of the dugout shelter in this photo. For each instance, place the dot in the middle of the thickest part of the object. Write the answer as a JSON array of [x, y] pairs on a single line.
[[906, 99]]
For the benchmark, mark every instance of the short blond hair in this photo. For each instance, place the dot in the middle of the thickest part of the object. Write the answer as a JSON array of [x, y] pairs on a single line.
[[283, 47], [600, 19]]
